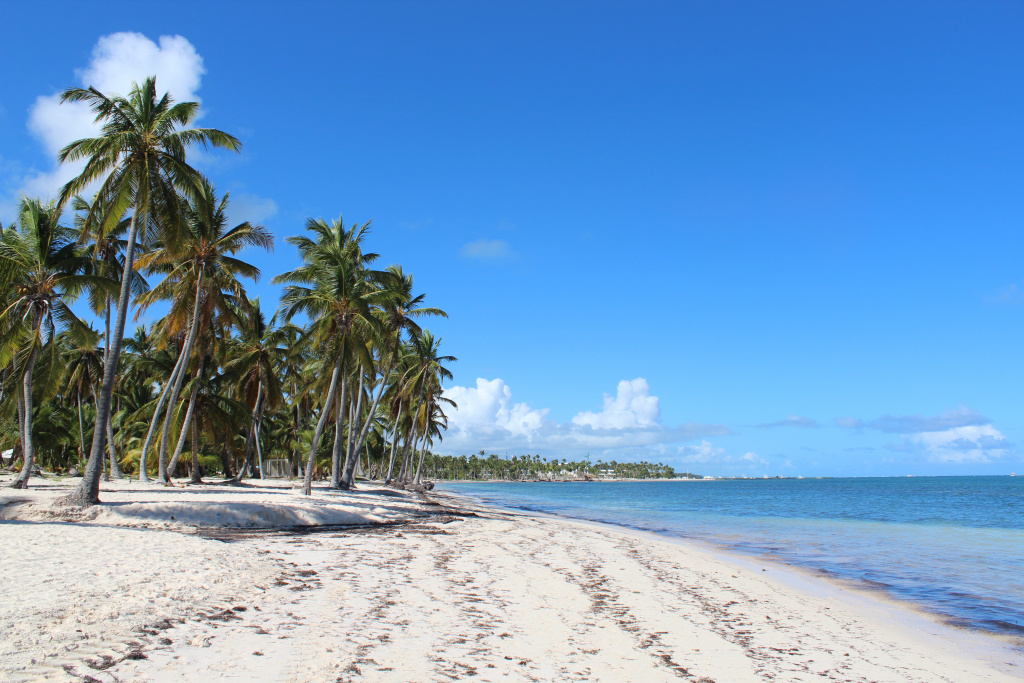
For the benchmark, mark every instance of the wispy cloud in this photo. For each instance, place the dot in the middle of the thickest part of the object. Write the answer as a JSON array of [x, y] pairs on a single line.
[[486, 250], [912, 424], [790, 421], [1009, 295], [956, 436]]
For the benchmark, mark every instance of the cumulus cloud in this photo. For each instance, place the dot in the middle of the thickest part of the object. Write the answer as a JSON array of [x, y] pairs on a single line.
[[632, 406], [911, 424], [790, 421], [703, 453], [487, 417], [486, 250], [117, 60], [487, 410]]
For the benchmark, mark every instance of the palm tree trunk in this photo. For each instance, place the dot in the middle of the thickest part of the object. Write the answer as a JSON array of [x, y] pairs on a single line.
[[363, 433], [298, 430], [88, 492], [196, 477], [249, 434], [157, 412], [339, 416], [248, 457], [189, 413], [410, 439], [186, 351], [96, 399], [115, 467], [352, 457], [21, 423], [394, 442], [307, 481], [355, 413], [28, 452], [81, 429], [256, 439], [225, 461], [423, 454]]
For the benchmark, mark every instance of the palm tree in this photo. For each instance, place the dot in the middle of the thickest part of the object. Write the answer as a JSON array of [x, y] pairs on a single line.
[[83, 363], [201, 281], [255, 357], [107, 247], [429, 373], [334, 288], [140, 160], [398, 313], [43, 271]]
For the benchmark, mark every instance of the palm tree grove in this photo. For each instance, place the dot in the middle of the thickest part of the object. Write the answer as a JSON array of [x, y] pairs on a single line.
[[340, 380]]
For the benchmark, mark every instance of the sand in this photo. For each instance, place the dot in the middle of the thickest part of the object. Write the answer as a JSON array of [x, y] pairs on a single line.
[[429, 590]]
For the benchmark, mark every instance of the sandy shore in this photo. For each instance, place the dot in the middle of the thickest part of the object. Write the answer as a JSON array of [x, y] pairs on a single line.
[[430, 590]]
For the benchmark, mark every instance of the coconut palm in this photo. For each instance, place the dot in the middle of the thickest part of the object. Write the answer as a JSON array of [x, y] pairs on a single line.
[[334, 288], [201, 282], [398, 312], [254, 358], [139, 161], [42, 272], [425, 380], [106, 245], [83, 364]]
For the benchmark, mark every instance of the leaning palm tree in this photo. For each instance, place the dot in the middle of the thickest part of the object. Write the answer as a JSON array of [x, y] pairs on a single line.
[[201, 282], [43, 273], [139, 160], [398, 313], [106, 244]]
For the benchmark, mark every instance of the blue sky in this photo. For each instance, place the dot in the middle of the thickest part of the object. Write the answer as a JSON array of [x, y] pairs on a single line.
[[740, 238]]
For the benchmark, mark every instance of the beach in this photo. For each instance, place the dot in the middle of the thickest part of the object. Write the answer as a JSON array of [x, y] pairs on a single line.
[[382, 585]]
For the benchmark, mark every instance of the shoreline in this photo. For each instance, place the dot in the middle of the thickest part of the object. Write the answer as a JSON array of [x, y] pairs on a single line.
[[812, 582], [417, 594], [739, 546]]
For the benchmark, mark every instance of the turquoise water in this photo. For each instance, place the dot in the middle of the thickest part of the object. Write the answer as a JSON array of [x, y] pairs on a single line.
[[953, 545]]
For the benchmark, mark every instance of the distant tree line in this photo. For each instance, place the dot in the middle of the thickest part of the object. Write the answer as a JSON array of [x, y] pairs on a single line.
[[484, 467]]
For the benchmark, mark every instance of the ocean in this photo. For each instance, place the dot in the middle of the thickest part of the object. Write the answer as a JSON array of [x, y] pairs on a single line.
[[952, 545]]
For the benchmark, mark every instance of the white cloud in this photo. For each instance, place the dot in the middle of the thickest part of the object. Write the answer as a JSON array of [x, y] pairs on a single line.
[[752, 458], [633, 406], [488, 410], [488, 418], [117, 60], [968, 444], [706, 453], [486, 250], [703, 453]]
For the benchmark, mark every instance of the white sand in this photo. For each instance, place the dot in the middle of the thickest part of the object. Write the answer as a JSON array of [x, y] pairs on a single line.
[[497, 597]]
